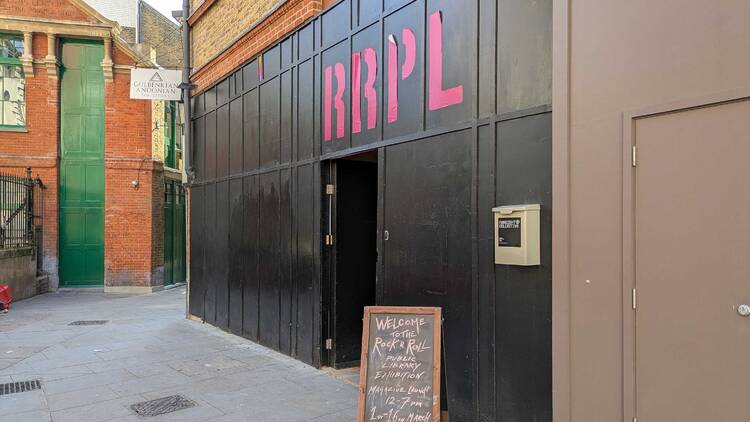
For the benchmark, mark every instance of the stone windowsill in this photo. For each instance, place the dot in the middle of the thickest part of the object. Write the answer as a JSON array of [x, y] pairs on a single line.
[[22, 129]]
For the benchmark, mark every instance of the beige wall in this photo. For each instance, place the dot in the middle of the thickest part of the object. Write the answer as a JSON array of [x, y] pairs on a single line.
[[158, 134], [610, 57], [222, 23], [165, 36]]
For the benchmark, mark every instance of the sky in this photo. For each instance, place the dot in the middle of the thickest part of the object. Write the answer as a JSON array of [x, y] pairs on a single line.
[[166, 6]]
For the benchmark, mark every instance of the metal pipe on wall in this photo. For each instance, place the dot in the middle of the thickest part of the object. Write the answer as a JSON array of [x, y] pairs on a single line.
[[187, 130]]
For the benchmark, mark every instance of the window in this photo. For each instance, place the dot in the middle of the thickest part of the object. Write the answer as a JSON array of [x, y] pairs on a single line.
[[12, 83], [169, 135], [173, 135]]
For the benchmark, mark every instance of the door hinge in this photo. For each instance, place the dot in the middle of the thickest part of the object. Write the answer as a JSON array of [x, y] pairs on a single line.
[[329, 344], [329, 240], [635, 298], [633, 156], [330, 189]]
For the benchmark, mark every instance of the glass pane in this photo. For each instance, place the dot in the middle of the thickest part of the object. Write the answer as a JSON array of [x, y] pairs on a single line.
[[13, 89], [19, 114], [13, 71], [8, 117], [11, 46], [13, 114], [12, 95]]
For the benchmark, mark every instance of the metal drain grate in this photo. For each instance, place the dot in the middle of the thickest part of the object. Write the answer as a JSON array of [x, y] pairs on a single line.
[[92, 322], [162, 405], [19, 387]]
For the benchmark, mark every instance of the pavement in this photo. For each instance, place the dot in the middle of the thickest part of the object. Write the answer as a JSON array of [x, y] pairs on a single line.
[[148, 350]]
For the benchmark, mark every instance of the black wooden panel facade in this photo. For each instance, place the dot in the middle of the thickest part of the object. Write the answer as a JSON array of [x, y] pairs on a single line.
[[452, 98]]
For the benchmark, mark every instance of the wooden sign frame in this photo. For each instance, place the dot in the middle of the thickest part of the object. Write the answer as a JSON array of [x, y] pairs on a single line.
[[437, 347]]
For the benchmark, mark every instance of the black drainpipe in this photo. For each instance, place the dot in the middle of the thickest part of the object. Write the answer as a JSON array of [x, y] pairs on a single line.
[[187, 130], [186, 88]]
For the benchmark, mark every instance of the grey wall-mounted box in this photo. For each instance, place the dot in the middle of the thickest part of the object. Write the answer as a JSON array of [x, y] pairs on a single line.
[[517, 234]]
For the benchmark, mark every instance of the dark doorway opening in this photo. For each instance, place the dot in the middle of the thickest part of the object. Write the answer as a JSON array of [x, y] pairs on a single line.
[[352, 221]]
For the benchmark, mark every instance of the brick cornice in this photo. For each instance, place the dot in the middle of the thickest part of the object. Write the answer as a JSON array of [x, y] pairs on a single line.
[[127, 163], [107, 30], [200, 11], [246, 45], [61, 27], [36, 162]]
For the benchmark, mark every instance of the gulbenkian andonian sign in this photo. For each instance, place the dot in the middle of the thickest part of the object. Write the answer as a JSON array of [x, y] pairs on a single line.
[[155, 84], [399, 377]]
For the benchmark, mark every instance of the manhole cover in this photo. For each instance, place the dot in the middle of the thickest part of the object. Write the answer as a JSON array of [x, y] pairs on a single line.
[[19, 387], [92, 322], [162, 405]]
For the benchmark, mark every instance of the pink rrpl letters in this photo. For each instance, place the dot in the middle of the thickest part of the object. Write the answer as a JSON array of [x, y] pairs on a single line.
[[327, 105], [410, 46], [338, 101], [356, 92], [440, 98], [371, 95], [392, 79], [437, 96], [410, 58]]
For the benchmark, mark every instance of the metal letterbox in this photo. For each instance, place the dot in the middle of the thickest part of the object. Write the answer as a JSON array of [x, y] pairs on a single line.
[[517, 234]]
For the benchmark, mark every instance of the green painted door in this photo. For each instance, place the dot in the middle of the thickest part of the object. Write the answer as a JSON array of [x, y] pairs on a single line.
[[81, 164], [168, 233], [174, 233], [179, 234], [169, 134]]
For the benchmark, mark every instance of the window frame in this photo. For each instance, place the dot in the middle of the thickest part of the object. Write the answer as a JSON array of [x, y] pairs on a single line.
[[170, 150], [13, 61]]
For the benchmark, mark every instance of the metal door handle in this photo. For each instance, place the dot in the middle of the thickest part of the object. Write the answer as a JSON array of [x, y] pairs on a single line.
[[744, 310]]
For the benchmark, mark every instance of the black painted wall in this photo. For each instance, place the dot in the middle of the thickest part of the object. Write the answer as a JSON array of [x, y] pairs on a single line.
[[257, 223]]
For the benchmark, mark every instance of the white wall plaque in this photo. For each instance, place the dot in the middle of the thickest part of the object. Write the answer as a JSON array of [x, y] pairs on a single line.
[[155, 84]]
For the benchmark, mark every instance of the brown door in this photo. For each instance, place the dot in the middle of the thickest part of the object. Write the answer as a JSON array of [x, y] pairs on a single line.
[[692, 223]]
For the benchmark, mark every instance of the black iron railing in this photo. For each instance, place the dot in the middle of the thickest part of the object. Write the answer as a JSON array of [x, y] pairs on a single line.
[[17, 228]]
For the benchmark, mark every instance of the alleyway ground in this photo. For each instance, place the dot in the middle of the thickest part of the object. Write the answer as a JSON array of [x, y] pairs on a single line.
[[149, 350]]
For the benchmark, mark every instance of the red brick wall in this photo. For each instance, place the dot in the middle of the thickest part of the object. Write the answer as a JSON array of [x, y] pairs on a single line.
[[281, 22], [133, 232], [48, 9], [133, 225], [37, 148], [39, 45]]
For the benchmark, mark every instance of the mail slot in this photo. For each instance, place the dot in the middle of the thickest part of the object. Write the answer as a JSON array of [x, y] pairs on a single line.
[[517, 234]]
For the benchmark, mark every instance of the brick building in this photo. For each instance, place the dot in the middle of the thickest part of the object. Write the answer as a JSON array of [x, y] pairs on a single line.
[[66, 82], [225, 34], [157, 37]]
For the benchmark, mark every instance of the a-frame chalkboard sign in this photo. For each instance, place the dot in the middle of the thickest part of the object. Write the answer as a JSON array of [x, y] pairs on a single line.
[[399, 377]]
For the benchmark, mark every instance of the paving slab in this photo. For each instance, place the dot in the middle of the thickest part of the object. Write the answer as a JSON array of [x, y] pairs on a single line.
[[78, 398], [148, 350]]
